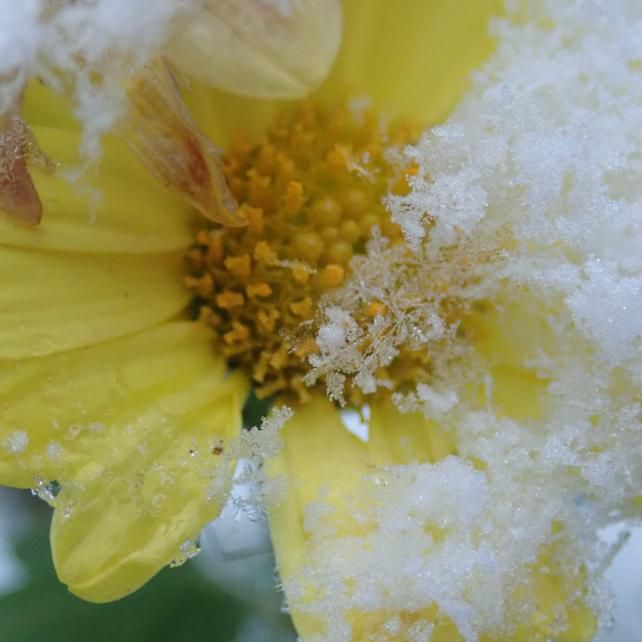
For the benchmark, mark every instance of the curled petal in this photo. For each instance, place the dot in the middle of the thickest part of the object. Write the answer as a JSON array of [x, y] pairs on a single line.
[[161, 133], [264, 48]]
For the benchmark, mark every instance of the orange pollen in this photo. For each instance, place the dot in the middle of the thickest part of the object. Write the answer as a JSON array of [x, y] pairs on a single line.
[[311, 191]]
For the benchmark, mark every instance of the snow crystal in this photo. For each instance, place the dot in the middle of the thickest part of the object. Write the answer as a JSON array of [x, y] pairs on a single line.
[[551, 161], [264, 440], [426, 295]]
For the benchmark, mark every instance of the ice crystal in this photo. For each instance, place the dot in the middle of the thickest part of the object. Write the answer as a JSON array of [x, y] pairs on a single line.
[[187, 551], [261, 441], [426, 296]]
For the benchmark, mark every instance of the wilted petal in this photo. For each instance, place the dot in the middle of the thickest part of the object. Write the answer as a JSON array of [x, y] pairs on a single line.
[[265, 48], [18, 196], [117, 207], [162, 134]]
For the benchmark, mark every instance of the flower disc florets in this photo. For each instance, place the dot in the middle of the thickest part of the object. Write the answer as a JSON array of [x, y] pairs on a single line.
[[312, 191]]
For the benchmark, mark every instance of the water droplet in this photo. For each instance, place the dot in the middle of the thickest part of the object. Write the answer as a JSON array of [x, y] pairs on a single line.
[[187, 551], [45, 490]]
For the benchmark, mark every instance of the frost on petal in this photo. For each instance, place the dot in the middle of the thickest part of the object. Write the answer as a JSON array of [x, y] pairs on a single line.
[[161, 133], [267, 48], [384, 550], [16, 442]]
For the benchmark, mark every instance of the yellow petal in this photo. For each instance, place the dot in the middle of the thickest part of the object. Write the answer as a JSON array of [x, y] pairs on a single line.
[[413, 58], [561, 612], [394, 438], [320, 460], [61, 401], [403, 438], [258, 48], [508, 337], [58, 301], [223, 117], [111, 533], [44, 107], [127, 428]]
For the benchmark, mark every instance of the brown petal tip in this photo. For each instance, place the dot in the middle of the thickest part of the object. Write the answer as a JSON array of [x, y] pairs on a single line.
[[18, 196], [160, 131]]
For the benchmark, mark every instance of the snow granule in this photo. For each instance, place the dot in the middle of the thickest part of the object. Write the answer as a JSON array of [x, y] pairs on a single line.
[[17, 442]]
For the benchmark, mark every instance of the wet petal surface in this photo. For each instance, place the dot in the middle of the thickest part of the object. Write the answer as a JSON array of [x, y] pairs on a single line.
[[131, 432]]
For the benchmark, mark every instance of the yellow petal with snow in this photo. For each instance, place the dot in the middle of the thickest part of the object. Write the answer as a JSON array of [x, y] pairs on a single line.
[[59, 301], [131, 430], [322, 465], [258, 48], [329, 510], [413, 58], [18, 196], [508, 336], [561, 611], [320, 460], [403, 438]]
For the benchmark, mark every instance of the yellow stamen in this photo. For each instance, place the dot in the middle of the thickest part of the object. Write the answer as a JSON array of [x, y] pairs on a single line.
[[331, 276], [258, 289]]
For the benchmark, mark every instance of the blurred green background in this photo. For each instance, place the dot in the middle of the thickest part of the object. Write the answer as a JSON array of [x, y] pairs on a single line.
[[181, 604]]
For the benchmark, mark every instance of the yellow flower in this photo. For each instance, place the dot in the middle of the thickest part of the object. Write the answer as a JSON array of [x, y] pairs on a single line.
[[116, 408], [106, 391]]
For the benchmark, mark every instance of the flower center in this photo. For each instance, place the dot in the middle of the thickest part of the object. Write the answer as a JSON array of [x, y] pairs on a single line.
[[312, 194]]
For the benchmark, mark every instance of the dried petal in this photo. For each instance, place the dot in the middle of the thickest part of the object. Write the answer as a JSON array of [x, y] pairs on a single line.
[[18, 196], [265, 48], [162, 134]]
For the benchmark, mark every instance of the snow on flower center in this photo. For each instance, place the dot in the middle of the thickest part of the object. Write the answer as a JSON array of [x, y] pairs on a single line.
[[312, 192]]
